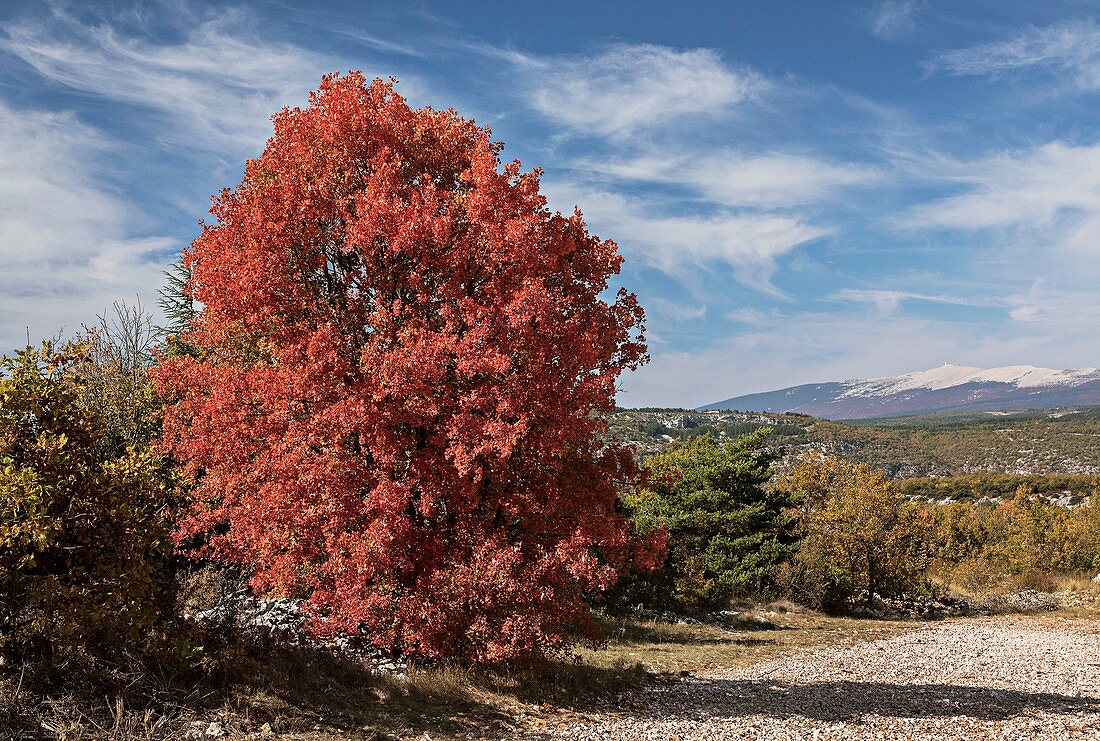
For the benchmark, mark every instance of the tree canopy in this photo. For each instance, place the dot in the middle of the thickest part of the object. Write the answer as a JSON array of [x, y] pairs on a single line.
[[390, 406]]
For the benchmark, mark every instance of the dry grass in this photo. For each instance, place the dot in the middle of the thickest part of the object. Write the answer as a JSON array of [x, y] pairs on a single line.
[[306, 694], [302, 693], [989, 582], [1075, 583], [763, 632]]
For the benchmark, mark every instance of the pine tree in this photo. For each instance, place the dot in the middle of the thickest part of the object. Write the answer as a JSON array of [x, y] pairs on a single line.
[[175, 300], [726, 529]]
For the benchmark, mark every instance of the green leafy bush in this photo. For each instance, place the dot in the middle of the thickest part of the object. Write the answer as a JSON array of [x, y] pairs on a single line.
[[83, 543]]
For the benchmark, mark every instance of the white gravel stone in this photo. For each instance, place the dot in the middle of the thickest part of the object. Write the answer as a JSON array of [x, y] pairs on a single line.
[[992, 678]]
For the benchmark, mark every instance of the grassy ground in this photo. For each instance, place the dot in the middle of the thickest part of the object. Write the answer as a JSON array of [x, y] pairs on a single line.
[[306, 694], [763, 632], [268, 691], [990, 584]]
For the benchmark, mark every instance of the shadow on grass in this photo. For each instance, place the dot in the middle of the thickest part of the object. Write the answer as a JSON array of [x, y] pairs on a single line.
[[849, 700], [446, 699], [313, 687], [302, 690], [300, 687]]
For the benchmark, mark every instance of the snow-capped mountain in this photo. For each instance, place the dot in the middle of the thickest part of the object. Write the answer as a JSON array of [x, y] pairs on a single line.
[[949, 388]]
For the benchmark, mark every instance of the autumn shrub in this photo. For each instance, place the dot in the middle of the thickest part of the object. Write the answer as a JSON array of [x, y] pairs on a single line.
[[113, 377], [727, 531], [389, 404], [858, 534], [974, 576], [1021, 533], [1025, 541], [83, 545], [1081, 532]]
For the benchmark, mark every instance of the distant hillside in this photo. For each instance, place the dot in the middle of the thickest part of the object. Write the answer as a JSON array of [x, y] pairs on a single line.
[[949, 388], [1065, 441]]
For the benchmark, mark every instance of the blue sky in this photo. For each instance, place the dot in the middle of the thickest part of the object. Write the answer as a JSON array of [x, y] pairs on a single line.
[[802, 191]]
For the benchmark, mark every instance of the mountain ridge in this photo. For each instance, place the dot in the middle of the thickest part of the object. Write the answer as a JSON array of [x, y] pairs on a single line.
[[947, 388]]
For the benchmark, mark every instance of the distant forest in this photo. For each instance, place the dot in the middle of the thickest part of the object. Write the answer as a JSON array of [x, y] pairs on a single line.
[[1056, 452]]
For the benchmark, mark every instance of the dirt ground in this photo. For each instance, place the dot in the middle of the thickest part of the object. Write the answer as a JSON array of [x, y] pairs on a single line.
[[1007, 677]]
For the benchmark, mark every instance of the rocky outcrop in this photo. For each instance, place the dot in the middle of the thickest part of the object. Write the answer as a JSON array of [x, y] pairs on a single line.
[[283, 620], [1031, 600], [914, 607]]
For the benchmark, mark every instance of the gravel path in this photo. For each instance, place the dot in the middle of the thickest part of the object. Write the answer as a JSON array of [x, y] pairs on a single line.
[[996, 678]]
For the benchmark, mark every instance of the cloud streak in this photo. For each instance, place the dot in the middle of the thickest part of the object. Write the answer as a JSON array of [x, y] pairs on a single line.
[[214, 88], [1052, 184], [893, 19], [773, 179], [1071, 48], [886, 300], [65, 253], [632, 88], [748, 244]]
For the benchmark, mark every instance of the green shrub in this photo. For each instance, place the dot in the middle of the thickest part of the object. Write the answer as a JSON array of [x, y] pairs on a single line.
[[83, 543], [726, 530]]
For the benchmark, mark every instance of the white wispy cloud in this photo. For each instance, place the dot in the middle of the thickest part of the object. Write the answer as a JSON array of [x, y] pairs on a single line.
[[1025, 224], [1055, 184], [678, 312], [708, 208], [748, 244], [627, 88], [1032, 305], [892, 19], [1057, 308], [215, 86], [63, 244], [888, 300], [751, 315], [773, 179], [1071, 48], [71, 240], [745, 211]]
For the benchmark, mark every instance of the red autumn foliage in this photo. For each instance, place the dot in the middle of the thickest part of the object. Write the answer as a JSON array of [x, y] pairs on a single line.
[[390, 410]]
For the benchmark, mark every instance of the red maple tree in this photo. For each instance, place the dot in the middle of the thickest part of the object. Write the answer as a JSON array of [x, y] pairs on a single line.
[[392, 405]]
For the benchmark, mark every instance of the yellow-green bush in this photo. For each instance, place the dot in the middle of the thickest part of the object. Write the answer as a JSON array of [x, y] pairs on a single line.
[[981, 546], [113, 376], [83, 544], [857, 533], [1081, 537]]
